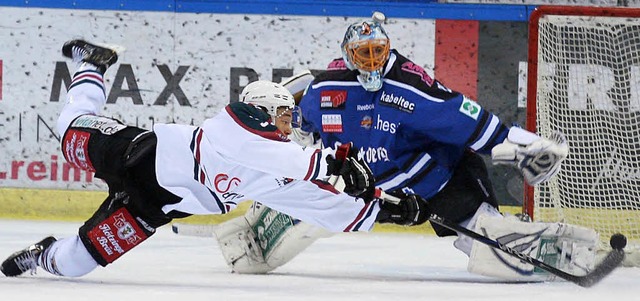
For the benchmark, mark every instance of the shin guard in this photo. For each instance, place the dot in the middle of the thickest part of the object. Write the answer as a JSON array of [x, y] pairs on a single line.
[[113, 230]]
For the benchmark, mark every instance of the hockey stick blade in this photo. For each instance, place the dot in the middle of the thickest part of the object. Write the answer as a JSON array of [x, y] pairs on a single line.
[[604, 268], [196, 230]]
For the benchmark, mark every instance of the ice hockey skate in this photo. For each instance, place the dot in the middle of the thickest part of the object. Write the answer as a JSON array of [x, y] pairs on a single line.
[[25, 260], [82, 51]]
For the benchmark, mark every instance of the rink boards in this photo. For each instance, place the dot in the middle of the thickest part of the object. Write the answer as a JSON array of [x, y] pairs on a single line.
[[68, 205]]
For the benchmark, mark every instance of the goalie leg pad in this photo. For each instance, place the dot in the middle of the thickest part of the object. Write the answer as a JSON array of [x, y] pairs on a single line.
[[464, 243], [566, 247], [264, 239], [240, 248], [113, 230]]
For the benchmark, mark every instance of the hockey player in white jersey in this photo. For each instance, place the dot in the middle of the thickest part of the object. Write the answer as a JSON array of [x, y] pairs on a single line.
[[418, 136], [176, 170]]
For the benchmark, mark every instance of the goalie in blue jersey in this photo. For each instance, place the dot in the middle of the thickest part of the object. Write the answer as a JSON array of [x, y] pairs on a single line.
[[424, 140]]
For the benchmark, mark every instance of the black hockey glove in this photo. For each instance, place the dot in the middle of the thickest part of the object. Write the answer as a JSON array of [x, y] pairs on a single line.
[[412, 210], [357, 176]]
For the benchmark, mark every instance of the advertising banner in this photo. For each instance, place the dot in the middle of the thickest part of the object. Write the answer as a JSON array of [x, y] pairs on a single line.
[[177, 68]]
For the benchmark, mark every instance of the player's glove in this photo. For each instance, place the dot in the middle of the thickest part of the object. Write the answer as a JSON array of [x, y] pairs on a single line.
[[358, 178], [410, 211]]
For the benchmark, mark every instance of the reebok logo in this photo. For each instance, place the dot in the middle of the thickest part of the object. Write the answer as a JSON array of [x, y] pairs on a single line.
[[397, 102], [367, 107]]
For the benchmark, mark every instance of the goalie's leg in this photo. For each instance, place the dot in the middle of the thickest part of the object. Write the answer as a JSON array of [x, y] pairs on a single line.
[[563, 246], [264, 239]]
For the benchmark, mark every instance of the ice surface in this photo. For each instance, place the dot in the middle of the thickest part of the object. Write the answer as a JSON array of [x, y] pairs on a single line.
[[356, 266]]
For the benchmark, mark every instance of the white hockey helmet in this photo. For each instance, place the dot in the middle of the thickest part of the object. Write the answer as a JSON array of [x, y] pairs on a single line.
[[366, 47], [269, 96]]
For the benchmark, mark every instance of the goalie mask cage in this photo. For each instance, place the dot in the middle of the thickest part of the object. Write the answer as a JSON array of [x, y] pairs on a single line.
[[584, 80]]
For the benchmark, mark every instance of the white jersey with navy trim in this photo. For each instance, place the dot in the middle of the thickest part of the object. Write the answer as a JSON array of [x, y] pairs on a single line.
[[237, 156]]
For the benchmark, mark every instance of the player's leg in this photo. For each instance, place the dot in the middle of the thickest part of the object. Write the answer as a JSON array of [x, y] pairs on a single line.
[[114, 229], [564, 246], [264, 239], [468, 194], [86, 94], [123, 156]]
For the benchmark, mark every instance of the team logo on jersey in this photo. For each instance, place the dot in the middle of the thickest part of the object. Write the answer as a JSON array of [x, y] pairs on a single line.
[[332, 123], [283, 181], [333, 99], [366, 122], [470, 108], [223, 183], [397, 102]]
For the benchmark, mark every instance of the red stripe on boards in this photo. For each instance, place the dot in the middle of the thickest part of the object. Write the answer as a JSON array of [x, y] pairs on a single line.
[[456, 55]]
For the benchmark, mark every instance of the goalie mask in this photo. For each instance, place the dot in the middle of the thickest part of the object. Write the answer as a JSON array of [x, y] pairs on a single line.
[[366, 47], [270, 97]]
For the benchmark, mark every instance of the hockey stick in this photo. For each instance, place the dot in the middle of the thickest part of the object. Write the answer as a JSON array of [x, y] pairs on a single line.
[[604, 268], [196, 230]]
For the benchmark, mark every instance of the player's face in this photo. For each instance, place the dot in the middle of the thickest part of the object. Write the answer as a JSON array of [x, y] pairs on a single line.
[[283, 122]]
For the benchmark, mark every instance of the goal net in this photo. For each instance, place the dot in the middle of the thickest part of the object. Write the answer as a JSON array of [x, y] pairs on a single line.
[[584, 80]]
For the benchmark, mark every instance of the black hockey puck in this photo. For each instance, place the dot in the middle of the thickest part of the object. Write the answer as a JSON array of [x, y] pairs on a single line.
[[618, 241]]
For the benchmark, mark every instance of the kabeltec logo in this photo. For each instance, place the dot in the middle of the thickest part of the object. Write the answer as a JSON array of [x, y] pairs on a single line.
[[397, 102]]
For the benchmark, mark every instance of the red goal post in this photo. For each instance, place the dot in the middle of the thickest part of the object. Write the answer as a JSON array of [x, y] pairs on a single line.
[[583, 79]]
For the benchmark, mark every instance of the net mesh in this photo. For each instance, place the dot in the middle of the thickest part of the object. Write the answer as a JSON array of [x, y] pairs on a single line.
[[588, 87]]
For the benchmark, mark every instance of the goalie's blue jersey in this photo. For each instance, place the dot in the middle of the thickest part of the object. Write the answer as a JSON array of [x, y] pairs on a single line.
[[412, 132]]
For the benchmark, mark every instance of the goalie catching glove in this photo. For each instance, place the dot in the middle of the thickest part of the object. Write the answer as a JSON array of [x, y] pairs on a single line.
[[536, 157], [358, 178]]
